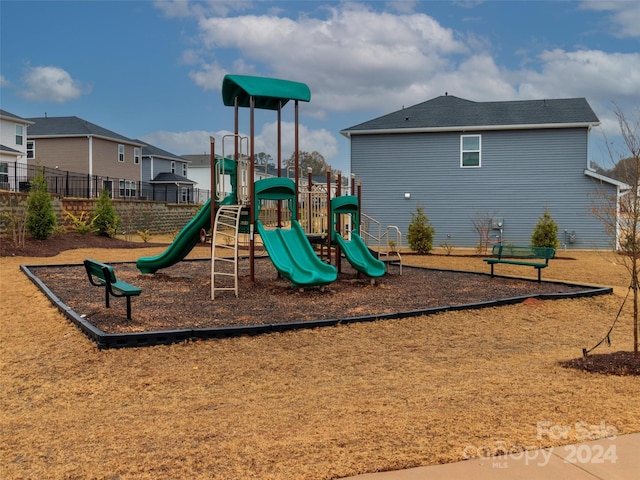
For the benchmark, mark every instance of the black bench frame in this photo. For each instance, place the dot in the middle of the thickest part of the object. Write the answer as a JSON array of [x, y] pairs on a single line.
[[106, 277], [512, 255]]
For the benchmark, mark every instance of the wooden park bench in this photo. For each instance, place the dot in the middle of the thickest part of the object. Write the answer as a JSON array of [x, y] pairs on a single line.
[[527, 256], [102, 275]]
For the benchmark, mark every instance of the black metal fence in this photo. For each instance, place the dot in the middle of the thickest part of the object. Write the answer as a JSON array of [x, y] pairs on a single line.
[[16, 176]]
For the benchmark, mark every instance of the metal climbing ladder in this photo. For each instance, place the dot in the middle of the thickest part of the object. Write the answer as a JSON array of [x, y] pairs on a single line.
[[224, 250]]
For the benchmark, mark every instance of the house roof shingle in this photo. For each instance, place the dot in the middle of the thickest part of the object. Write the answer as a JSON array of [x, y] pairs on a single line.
[[153, 151], [72, 127], [12, 117], [168, 177], [448, 112]]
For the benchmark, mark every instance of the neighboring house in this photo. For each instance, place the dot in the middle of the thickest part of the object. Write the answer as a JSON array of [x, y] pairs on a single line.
[[71, 144], [463, 160], [166, 176], [13, 151], [200, 172]]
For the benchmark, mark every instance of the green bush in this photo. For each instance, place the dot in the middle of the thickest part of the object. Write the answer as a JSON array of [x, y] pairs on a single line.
[[420, 234], [41, 219], [106, 221], [82, 224], [545, 233]]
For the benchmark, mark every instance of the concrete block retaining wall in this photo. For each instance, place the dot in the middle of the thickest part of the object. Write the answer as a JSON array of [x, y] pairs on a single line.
[[135, 215]]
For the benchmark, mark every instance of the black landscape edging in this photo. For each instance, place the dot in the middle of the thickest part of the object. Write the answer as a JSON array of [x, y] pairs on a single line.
[[166, 337]]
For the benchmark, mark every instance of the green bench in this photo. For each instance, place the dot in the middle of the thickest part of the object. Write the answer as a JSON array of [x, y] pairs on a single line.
[[102, 275], [527, 256]]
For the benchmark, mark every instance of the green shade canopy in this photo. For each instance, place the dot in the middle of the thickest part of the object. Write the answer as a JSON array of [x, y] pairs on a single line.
[[269, 93]]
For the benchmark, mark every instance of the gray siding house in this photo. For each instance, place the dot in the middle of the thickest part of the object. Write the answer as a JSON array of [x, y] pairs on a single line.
[[463, 160], [165, 176]]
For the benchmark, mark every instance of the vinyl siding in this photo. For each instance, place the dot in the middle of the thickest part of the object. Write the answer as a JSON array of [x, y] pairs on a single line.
[[522, 173]]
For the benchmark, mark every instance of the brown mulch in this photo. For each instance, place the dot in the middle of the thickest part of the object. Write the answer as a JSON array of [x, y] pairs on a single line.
[[616, 363], [61, 242], [179, 297]]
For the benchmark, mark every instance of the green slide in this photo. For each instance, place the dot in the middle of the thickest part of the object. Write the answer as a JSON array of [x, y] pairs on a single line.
[[360, 257], [290, 250], [355, 250], [188, 238], [293, 256]]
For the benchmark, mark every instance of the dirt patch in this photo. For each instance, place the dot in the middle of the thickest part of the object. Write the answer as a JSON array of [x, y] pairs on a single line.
[[616, 363]]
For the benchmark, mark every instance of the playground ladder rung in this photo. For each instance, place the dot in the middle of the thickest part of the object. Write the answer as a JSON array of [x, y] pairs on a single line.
[[227, 220]]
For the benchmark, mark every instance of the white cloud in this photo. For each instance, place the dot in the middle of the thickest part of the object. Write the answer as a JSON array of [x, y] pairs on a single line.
[[624, 16], [335, 54], [198, 141], [4, 82], [589, 73], [184, 8], [51, 84]]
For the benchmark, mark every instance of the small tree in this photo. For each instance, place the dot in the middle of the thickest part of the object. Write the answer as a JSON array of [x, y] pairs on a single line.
[[420, 233], [41, 218], [106, 221], [545, 233], [621, 214]]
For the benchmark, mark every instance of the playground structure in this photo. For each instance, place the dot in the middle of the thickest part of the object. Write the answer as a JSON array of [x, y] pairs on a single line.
[[289, 215]]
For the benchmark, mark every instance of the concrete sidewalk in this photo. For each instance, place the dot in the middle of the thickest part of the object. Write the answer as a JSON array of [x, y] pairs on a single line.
[[605, 459]]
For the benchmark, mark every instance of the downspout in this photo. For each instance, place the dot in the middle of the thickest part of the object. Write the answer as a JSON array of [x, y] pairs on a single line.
[[90, 164]]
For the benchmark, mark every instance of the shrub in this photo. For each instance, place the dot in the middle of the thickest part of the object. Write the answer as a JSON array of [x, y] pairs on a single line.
[[145, 235], [420, 234], [545, 233], [106, 220], [82, 224], [41, 219]]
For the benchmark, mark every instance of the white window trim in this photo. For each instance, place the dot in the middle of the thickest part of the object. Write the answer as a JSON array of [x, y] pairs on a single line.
[[127, 188], [121, 153], [32, 149], [19, 135], [184, 170], [463, 151], [136, 155], [173, 167]]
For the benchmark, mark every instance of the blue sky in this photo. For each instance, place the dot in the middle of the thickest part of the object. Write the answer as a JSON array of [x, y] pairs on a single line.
[[153, 70]]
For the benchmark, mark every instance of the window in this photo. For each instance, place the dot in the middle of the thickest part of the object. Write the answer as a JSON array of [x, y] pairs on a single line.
[[31, 149], [127, 188], [19, 134], [121, 153], [4, 173], [173, 167], [470, 148], [184, 169], [184, 193], [136, 155]]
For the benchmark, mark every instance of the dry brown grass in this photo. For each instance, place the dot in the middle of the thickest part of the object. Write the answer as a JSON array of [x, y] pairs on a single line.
[[311, 404]]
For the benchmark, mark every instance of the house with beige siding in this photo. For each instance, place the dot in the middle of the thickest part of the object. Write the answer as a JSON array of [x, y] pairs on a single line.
[[111, 161]]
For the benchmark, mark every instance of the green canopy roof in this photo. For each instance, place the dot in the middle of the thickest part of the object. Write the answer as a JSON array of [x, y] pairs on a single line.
[[269, 93]]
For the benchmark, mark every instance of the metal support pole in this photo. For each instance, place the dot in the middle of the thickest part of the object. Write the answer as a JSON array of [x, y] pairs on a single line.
[[252, 207], [212, 142], [297, 158], [329, 216]]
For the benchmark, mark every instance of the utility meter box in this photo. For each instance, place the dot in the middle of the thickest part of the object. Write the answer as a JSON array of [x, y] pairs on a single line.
[[496, 223]]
